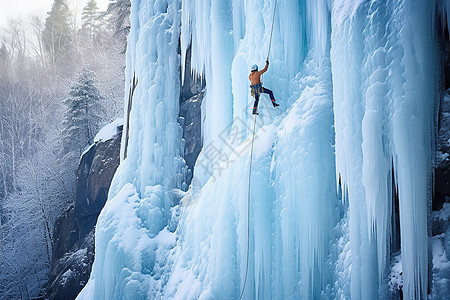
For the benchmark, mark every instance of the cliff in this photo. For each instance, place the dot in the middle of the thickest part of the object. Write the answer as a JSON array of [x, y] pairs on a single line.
[[74, 231]]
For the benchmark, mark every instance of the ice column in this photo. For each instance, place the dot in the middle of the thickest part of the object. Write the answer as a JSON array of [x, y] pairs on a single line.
[[129, 230], [385, 91]]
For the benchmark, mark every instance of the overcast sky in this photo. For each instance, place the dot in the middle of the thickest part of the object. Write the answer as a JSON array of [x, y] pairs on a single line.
[[23, 8]]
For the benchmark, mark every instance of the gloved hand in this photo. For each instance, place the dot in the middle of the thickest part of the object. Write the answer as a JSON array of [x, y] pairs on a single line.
[[267, 61]]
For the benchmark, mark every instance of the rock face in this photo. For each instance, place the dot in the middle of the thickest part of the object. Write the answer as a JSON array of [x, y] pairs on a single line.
[[190, 116], [442, 175], [73, 237], [442, 171], [440, 215], [190, 120]]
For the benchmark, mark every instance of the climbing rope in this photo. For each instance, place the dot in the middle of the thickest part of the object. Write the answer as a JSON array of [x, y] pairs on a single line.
[[248, 207], [250, 171], [271, 31]]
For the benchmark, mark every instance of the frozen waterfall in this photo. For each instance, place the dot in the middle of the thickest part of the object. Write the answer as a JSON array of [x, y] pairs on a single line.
[[358, 84]]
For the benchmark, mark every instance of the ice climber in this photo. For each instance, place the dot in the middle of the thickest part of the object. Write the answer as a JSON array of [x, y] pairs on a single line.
[[257, 88]]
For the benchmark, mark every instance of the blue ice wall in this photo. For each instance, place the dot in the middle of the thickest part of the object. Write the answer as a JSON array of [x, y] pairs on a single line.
[[385, 97], [357, 84]]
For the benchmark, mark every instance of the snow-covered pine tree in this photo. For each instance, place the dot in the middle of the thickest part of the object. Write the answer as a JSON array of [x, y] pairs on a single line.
[[83, 114], [120, 10], [57, 34], [90, 18]]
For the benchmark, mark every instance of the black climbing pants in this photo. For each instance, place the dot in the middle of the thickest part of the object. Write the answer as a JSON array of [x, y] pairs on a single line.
[[265, 91]]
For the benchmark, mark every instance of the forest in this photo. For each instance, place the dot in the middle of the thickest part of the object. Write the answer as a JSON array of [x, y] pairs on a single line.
[[61, 80]]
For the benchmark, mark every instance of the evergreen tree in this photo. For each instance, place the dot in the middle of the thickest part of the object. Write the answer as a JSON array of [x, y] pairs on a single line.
[[57, 34], [83, 114], [120, 10], [90, 18]]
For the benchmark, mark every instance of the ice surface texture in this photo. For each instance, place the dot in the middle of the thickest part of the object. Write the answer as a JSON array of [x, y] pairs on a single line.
[[358, 87]]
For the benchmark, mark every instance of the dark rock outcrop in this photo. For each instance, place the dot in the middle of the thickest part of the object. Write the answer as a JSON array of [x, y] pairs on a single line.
[[190, 117], [190, 120], [439, 269], [442, 172], [73, 252]]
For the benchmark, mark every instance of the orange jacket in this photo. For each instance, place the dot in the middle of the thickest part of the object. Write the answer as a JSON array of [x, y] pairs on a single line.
[[255, 77]]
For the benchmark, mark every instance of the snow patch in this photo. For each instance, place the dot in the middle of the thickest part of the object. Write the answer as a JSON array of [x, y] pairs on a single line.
[[395, 277], [109, 131]]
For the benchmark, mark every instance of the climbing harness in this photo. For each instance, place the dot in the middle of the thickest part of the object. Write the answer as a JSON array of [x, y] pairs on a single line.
[[257, 90]]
